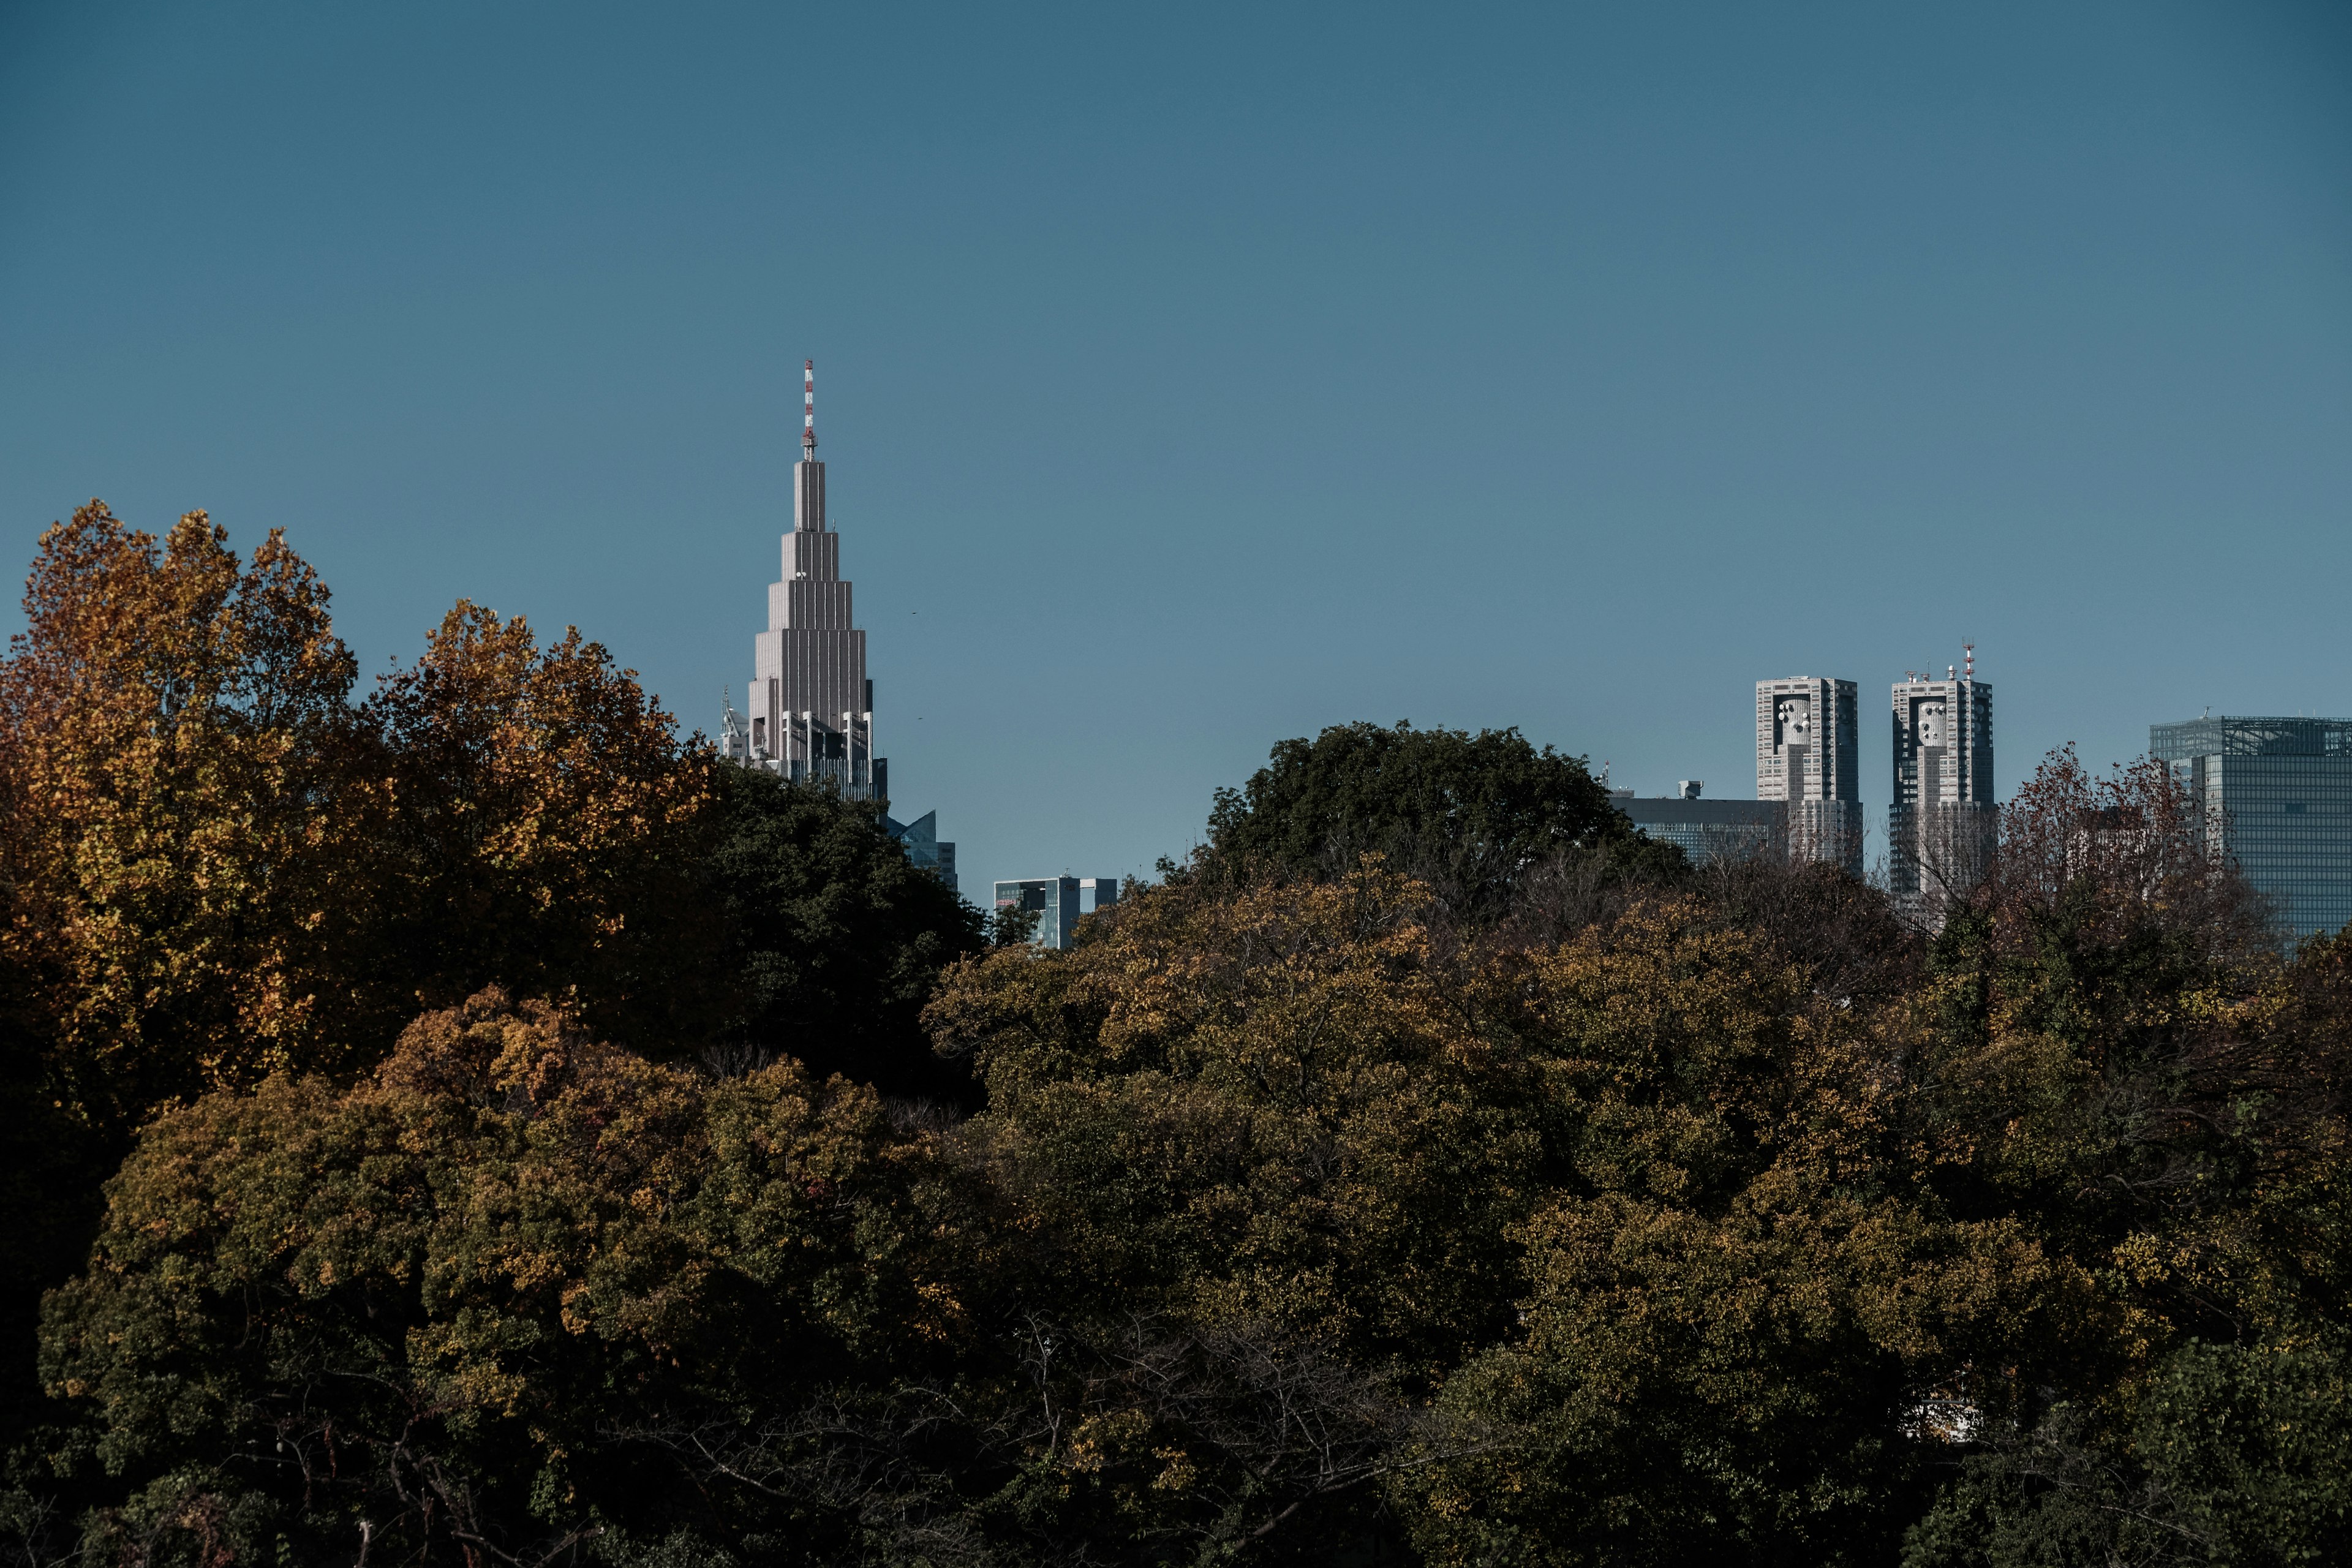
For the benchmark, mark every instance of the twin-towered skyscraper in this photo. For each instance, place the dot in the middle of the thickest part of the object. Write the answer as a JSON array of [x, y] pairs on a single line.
[[1942, 819]]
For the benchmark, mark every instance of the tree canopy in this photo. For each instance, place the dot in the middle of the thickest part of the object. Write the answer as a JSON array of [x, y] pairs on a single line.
[[1468, 816], [470, 1126], [833, 938], [221, 866]]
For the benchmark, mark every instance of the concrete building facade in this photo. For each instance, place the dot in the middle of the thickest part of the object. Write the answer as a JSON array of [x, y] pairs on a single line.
[[1808, 759], [811, 702], [1944, 819], [2276, 796]]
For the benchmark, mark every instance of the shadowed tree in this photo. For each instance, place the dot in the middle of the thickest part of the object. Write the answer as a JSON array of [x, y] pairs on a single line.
[[835, 937], [1470, 816], [547, 832]]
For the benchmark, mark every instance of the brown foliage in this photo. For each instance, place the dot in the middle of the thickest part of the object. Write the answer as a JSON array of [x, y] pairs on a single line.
[[401, 1307]]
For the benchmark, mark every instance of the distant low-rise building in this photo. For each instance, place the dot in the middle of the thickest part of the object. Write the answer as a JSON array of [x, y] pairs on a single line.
[[1057, 902], [2276, 796], [1705, 830]]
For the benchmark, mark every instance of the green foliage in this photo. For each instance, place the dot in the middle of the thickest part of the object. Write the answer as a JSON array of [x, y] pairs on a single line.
[[833, 938], [2231, 1455], [1468, 816], [1009, 925]]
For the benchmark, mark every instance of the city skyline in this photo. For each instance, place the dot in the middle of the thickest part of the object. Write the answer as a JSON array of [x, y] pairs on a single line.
[[1209, 378]]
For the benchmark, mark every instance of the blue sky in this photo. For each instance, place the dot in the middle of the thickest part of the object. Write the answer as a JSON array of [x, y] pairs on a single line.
[[1191, 377]]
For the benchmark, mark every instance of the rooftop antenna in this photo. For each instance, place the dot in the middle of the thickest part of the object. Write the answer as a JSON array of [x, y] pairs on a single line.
[[1968, 656], [734, 735], [808, 410]]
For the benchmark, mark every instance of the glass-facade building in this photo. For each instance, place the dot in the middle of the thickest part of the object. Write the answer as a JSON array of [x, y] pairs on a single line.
[[1057, 902], [2276, 796], [1706, 830], [920, 840]]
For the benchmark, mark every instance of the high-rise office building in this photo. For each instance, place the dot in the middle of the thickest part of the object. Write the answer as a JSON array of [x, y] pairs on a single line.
[[2275, 795], [811, 706], [1808, 759], [1944, 820], [1057, 902]]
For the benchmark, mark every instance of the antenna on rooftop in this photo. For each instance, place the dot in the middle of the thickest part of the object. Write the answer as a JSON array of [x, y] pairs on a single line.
[[808, 410], [1969, 657]]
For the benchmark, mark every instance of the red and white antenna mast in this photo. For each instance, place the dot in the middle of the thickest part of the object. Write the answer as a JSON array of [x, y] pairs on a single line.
[[808, 410], [1969, 660]]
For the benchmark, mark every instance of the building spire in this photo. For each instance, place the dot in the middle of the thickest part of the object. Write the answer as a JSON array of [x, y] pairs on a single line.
[[808, 474], [808, 410]]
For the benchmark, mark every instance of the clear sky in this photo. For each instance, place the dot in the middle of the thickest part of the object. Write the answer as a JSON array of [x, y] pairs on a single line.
[[1194, 376]]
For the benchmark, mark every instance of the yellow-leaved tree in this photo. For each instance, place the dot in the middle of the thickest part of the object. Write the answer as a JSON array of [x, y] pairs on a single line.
[[179, 819], [216, 867]]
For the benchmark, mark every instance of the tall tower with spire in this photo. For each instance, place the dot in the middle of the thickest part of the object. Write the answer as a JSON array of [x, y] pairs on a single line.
[[811, 706]]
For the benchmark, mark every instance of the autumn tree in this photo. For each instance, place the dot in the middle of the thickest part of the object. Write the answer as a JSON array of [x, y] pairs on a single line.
[[461, 1311], [2121, 1056], [218, 868], [546, 832], [1255, 1142], [1737, 1302], [177, 811], [2115, 1041], [177, 828]]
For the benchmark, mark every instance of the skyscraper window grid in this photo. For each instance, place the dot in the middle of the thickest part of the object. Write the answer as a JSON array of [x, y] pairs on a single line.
[[2275, 795]]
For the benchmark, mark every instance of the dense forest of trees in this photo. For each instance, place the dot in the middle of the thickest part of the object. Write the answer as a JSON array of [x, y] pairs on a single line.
[[460, 1122]]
